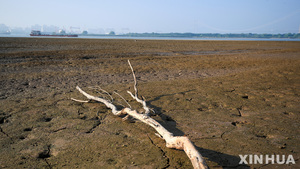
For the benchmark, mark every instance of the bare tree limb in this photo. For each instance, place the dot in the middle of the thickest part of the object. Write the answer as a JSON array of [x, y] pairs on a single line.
[[177, 142], [134, 78], [81, 101], [123, 99], [143, 102], [104, 91]]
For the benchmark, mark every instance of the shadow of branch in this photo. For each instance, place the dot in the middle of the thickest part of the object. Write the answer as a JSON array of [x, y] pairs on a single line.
[[223, 160]]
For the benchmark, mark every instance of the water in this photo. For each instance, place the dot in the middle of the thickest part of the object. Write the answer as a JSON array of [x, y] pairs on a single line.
[[156, 38], [176, 38]]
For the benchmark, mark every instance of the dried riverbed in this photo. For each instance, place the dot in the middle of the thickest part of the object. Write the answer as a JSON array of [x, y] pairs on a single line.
[[228, 97]]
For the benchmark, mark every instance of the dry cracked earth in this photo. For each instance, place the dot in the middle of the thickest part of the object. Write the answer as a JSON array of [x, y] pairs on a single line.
[[230, 98]]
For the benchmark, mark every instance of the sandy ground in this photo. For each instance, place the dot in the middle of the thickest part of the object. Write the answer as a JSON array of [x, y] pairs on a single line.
[[230, 98]]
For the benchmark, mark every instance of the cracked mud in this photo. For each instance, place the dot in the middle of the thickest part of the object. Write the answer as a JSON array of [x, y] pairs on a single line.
[[228, 97]]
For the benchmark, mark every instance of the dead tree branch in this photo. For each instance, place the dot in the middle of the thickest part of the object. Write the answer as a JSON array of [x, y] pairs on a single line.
[[177, 142]]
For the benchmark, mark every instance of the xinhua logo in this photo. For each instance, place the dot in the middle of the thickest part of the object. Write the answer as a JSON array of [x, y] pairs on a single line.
[[267, 159]]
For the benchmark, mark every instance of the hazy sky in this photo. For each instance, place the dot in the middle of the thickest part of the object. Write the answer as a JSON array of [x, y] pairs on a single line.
[[198, 16]]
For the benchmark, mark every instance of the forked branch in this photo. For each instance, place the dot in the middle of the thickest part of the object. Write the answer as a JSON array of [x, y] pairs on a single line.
[[177, 142]]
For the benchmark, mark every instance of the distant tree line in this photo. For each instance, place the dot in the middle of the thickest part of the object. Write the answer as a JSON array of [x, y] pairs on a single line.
[[202, 35], [214, 35]]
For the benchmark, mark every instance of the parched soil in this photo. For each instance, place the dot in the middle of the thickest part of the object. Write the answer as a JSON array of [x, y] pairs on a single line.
[[230, 98]]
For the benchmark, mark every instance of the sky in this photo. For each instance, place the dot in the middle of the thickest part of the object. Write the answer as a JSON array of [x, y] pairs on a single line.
[[161, 16]]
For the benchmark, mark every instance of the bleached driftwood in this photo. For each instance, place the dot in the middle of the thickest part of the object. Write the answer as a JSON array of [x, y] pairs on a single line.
[[177, 142]]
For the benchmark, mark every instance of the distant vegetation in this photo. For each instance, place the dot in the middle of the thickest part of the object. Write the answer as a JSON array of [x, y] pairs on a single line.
[[215, 35], [205, 35]]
